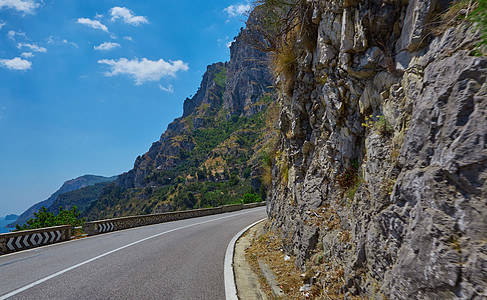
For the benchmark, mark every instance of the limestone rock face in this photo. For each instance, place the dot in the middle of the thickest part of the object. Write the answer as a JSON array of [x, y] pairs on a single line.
[[382, 155], [247, 78]]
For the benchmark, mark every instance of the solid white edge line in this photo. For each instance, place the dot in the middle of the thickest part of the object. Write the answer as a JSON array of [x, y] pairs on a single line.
[[230, 287], [19, 290]]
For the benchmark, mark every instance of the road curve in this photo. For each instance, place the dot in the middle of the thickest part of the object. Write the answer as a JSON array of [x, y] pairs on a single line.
[[177, 260]]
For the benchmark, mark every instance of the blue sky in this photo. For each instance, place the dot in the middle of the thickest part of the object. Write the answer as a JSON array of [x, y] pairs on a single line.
[[88, 85]]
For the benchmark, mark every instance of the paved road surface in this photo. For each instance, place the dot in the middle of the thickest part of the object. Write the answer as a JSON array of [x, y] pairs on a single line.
[[176, 260]]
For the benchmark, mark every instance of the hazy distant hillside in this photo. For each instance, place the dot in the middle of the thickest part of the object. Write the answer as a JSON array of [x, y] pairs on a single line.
[[68, 186]]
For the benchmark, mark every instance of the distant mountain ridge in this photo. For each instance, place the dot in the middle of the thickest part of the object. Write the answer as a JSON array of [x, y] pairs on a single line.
[[11, 217], [68, 186]]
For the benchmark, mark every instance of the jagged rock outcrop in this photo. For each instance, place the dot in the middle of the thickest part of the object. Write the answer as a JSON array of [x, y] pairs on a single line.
[[382, 156], [247, 78], [166, 153]]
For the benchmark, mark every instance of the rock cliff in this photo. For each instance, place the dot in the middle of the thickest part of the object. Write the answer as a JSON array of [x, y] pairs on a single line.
[[381, 163]]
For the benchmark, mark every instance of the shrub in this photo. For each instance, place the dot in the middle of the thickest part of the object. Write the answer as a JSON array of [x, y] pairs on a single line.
[[250, 198], [43, 219]]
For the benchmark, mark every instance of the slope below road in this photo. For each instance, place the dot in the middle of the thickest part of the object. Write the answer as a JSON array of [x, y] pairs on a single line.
[[176, 260]]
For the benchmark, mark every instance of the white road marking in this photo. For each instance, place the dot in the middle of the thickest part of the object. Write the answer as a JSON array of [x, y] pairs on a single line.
[[230, 288], [15, 292]]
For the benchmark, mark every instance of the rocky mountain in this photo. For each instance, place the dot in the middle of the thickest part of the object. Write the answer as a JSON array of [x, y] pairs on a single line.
[[207, 156], [68, 186], [379, 177]]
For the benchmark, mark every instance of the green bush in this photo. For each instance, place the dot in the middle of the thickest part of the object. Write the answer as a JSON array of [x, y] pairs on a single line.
[[250, 198], [43, 219]]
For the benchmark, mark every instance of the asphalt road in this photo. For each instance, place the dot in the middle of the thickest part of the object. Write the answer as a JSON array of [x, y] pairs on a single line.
[[176, 260]]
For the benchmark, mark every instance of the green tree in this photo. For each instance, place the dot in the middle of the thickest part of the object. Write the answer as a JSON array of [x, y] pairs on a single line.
[[43, 219]]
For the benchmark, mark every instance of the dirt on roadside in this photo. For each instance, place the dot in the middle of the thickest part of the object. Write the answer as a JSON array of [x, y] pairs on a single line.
[[259, 252]]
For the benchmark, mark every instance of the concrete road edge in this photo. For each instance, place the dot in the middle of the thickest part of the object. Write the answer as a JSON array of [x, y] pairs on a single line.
[[230, 287]]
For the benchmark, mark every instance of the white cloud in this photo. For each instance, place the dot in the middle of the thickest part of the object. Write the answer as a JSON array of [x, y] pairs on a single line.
[[127, 16], [24, 6], [237, 10], [17, 63], [27, 55], [107, 46], [32, 47], [144, 69], [2, 23], [169, 88], [128, 38], [12, 34], [92, 23]]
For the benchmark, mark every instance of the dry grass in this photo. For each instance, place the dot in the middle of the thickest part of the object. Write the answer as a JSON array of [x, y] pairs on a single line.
[[324, 272], [453, 16], [267, 248], [325, 217], [285, 63]]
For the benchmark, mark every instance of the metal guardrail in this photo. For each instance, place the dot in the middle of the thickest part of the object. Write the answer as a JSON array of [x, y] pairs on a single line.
[[27, 239]]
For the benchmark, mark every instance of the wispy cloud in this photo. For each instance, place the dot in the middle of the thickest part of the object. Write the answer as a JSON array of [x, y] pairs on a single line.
[[107, 46], [169, 88], [144, 69], [27, 55], [237, 10], [127, 16], [24, 6], [2, 23], [55, 40], [12, 34], [128, 38], [32, 47], [17, 64], [92, 23]]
